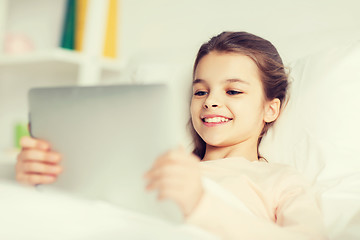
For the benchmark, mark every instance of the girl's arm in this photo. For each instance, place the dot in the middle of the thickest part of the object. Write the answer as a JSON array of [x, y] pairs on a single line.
[[176, 176], [297, 217]]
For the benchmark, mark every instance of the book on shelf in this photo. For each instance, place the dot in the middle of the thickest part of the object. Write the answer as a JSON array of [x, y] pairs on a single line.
[[68, 33], [81, 9], [111, 33], [75, 21]]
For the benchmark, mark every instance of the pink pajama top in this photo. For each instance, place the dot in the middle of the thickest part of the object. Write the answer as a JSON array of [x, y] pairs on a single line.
[[264, 201]]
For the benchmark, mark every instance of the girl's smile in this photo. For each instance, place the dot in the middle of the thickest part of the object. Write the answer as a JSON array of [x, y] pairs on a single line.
[[215, 120]]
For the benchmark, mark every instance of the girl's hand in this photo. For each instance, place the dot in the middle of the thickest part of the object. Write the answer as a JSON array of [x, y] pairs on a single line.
[[176, 176], [36, 163]]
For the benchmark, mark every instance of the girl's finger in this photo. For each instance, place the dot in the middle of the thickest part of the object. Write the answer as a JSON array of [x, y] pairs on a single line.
[[170, 157], [29, 142], [34, 179], [166, 170], [35, 167], [39, 179], [161, 184], [39, 155]]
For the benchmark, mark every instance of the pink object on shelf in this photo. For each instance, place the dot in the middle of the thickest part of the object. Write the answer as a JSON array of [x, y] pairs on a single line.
[[17, 44]]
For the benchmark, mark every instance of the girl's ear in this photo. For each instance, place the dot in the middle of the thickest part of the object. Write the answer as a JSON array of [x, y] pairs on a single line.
[[272, 110]]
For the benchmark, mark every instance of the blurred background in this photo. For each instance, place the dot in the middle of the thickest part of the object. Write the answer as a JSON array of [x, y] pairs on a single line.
[[92, 42]]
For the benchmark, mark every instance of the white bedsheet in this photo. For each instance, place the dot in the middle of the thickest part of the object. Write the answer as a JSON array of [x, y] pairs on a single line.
[[341, 207], [26, 213]]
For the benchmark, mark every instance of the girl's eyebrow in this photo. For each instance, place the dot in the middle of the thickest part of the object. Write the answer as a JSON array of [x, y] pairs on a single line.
[[228, 80], [198, 81], [237, 80]]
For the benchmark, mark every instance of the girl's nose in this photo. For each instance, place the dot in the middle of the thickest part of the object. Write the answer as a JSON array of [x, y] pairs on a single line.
[[212, 105], [211, 102]]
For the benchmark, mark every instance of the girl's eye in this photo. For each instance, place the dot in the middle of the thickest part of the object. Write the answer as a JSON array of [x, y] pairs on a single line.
[[233, 92], [200, 93]]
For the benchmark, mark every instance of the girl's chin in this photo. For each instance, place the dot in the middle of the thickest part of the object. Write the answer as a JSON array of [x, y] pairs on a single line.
[[216, 143]]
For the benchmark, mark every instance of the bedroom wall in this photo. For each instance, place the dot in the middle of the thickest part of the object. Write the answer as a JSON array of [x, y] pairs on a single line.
[[181, 26], [159, 39]]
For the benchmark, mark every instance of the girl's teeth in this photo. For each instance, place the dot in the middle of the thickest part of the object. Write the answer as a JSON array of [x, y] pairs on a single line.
[[216, 120]]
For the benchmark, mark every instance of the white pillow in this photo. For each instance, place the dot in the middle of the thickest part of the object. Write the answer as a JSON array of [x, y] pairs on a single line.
[[318, 131]]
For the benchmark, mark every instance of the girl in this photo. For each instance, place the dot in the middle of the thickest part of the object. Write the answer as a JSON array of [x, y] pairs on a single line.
[[239, 87]]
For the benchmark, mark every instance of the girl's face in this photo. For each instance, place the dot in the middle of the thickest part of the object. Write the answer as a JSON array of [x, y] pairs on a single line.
[[227, 106]]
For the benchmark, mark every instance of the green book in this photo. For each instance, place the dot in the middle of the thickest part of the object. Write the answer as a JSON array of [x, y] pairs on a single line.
[[68, 32], [21, 130]]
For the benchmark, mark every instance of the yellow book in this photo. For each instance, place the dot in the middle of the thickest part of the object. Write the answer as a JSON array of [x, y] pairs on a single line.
[[111, 31], [81, 8]]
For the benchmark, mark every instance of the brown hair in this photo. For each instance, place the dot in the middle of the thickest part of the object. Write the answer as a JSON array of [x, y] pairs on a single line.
[[264, 54]]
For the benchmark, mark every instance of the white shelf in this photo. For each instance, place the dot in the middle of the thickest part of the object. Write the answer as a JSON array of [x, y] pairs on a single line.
[[58, 55], [112, 65], [61, 55]]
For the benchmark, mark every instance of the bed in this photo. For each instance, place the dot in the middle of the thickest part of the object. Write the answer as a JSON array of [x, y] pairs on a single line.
[[317, 133]]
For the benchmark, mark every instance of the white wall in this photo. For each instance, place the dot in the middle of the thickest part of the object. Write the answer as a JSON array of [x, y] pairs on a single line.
[[181, 26], [160, 38]]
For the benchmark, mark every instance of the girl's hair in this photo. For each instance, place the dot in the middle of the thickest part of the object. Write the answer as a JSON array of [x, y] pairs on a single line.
[[264, 54]]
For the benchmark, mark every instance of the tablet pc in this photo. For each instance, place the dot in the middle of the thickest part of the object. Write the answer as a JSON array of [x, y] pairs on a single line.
[[108, 137]]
